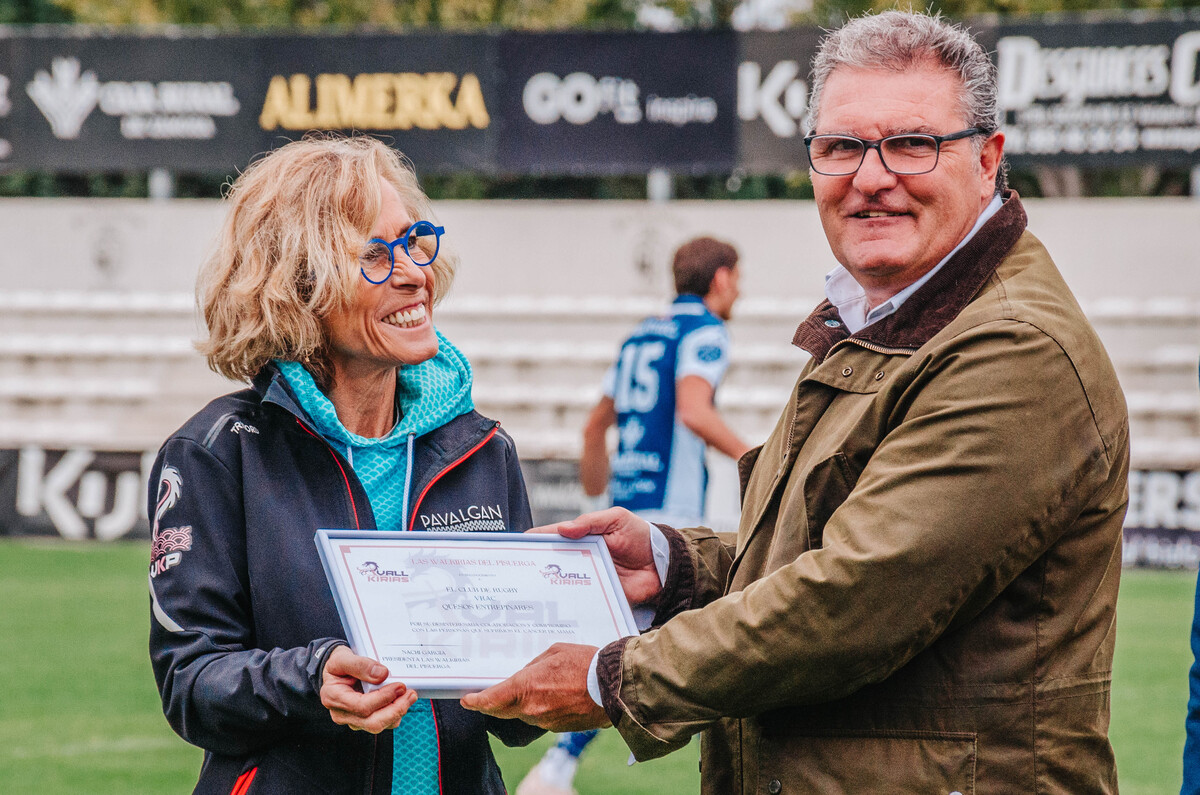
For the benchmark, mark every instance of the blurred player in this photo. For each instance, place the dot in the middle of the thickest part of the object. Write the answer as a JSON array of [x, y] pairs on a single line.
[[659, 393]]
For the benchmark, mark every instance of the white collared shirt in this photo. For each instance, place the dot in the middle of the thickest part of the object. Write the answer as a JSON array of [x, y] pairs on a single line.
[[851, 299]]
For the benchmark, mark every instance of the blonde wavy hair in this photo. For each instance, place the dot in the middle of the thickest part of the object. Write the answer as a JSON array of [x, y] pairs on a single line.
[[287, 254]]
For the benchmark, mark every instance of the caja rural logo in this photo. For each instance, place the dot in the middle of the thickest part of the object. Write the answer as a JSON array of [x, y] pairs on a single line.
[[373, 573], [168, 109], [555, 574]]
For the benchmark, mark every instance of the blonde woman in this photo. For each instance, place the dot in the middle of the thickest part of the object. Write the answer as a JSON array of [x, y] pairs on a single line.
[[320, 294]]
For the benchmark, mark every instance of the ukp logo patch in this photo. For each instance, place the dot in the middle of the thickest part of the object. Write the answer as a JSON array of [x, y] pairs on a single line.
[[168, 544]]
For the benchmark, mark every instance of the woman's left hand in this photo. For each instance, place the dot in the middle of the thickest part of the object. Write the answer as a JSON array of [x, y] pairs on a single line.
[[372, 712]]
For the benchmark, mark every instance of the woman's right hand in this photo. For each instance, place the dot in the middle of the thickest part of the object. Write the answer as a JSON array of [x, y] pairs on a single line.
[[372, 712]]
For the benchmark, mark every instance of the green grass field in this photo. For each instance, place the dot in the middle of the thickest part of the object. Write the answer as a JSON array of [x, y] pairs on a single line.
[[79, 713]]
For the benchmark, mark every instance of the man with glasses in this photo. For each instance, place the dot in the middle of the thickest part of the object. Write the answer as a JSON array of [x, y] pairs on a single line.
[[923, 591]]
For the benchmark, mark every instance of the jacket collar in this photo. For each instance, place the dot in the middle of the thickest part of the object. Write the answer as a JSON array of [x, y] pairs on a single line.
[[272, 387], [939, 301], [689, 304], [443, 445]]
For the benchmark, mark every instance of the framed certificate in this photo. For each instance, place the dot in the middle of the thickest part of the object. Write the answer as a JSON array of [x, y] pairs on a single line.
[[453, 613]]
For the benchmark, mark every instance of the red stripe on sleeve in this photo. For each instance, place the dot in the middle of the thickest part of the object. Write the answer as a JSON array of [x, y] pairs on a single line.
[[242, 785]]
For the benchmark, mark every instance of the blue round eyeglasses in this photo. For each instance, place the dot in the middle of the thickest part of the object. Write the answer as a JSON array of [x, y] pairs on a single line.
[[421, 244]]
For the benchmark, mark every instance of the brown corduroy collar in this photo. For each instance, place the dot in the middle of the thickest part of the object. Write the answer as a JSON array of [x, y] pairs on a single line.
[[931, 308]]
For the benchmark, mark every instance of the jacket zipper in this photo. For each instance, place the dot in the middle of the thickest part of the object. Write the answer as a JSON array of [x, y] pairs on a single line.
[[357, 526], [416, 505], [342, 469], [871, 346], [436, 733]]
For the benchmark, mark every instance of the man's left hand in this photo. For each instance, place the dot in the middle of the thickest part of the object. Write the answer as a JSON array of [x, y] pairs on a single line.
[[550, 692]]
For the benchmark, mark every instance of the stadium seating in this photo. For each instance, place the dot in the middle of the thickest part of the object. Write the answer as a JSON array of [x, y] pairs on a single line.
[[118, 371]]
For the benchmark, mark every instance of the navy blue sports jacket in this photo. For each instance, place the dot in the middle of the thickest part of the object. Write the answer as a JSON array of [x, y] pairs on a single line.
[[243, 617]]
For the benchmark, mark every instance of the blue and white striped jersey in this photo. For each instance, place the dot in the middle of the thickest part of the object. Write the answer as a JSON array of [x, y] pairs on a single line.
[[659, 464]]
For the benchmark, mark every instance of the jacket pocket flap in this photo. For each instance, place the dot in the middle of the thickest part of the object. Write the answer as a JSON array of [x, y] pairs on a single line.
[[900, 763]]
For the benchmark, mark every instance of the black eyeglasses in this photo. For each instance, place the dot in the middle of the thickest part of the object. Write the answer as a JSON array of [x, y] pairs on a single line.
[[421, 243], [906, 153]]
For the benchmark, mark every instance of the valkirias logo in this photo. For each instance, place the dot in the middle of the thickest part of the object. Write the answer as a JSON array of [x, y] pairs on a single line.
[[373, 573], [555, 574]]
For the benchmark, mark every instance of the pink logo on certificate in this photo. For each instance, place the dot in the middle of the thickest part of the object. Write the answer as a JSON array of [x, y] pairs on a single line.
[[373, 573], [555, 574]]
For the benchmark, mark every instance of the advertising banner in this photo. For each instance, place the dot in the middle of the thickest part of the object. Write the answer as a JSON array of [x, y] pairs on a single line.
[[554, 491], [581, 103], [103, 103], [1162, 525], [1101, 93], [77, 494], [199, 103], [432, 96], [81, 494], [84, 494], [772, 85]]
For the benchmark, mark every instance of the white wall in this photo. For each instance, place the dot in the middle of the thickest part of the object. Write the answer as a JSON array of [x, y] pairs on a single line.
[[1106, 248]]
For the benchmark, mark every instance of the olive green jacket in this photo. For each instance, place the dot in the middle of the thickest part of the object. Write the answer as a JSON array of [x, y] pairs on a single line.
[[922, 597]]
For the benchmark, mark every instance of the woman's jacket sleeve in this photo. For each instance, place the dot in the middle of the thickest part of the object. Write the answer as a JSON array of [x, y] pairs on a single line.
[[218, 691]]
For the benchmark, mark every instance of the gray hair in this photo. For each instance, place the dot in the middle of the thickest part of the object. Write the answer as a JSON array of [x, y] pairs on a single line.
[[898, 40]]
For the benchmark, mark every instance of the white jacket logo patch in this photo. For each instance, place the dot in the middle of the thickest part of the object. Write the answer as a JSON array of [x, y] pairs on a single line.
[[472, 518]]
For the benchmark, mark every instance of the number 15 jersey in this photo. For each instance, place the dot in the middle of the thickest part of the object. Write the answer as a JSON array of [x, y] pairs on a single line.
[[659, 464]]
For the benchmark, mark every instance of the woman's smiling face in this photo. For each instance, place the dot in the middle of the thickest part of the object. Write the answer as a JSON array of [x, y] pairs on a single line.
[[388, 324]]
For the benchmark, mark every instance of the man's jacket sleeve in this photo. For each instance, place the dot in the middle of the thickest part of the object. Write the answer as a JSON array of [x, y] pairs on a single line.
[[697, 569], [992, 457], [218, 691]]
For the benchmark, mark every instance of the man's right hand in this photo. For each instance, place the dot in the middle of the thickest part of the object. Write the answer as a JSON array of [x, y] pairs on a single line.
[[628, 539]]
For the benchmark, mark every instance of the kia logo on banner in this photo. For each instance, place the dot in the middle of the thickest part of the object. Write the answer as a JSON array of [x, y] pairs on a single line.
[[77, 494], [780, 98], [772, 98]]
